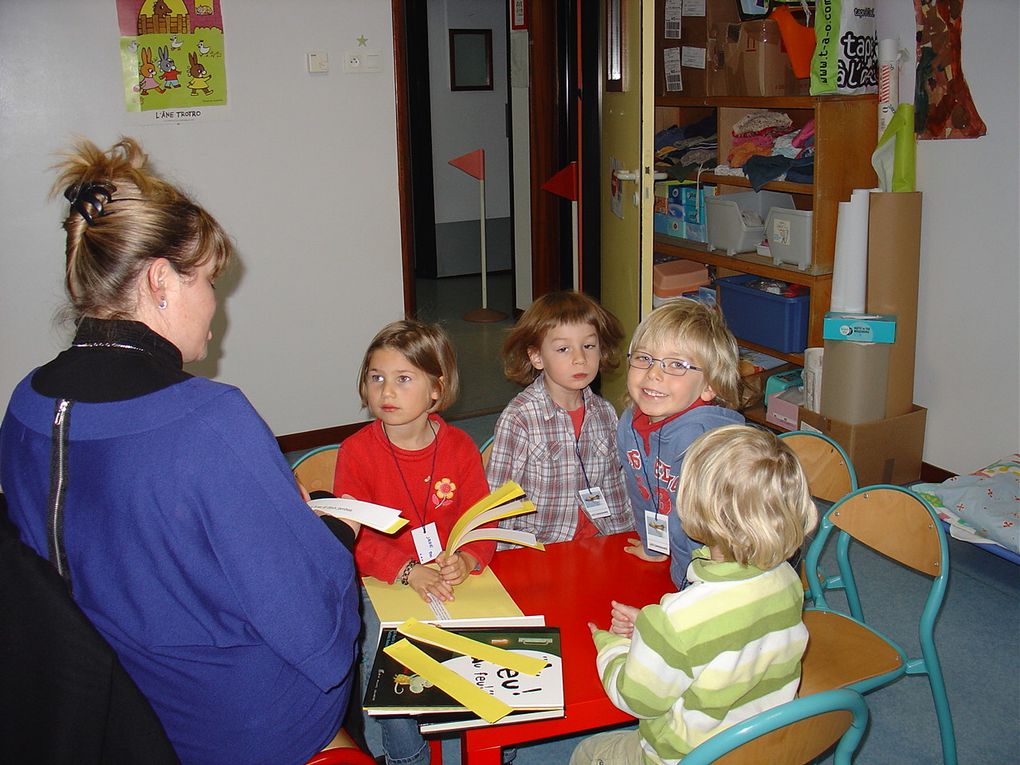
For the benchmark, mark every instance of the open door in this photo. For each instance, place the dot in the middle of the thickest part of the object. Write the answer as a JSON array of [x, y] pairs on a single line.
[[627, 165]]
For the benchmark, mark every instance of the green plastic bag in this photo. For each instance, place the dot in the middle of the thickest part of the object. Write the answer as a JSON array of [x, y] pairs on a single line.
[[846, 48]]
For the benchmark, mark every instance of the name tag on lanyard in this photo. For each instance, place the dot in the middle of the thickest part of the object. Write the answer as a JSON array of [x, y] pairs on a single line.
[[657, 532], [426, 542], [594, 502]]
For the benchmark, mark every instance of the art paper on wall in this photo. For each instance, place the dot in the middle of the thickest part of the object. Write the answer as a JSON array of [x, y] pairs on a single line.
[[172, 57], [942, 100]]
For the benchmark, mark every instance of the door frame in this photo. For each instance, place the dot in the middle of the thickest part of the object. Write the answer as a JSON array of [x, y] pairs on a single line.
[[549, 135]]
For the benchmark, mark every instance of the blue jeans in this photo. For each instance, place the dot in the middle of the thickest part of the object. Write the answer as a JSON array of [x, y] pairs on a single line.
[[398, 737]]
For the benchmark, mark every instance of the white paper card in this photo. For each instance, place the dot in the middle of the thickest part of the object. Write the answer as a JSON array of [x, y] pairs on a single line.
[[594, 502], [378, 517], [692, 57], [671, 68], [426, 542], [657, 532]]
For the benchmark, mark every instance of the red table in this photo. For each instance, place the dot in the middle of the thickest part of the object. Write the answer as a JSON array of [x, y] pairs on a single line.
[[571, 583]]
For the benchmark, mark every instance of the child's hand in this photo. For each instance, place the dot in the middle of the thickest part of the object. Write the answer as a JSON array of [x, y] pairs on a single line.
[[455, 568], [623, 618], [426, 581], [592, 627], [636, 547]]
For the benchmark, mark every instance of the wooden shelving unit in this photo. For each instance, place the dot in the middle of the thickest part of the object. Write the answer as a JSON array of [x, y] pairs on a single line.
[[845, 136]]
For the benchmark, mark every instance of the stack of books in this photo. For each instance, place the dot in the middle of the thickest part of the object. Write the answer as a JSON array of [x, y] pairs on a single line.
[[396, 689]]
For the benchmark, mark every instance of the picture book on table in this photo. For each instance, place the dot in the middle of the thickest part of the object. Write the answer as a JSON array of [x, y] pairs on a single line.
[[394, 688]]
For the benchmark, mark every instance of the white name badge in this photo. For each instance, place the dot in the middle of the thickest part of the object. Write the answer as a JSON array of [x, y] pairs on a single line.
[[657, 532], [426, 542], [594, 502]]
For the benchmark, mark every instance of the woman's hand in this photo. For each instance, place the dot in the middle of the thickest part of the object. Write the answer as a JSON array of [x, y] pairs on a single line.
[[426, 581], [455, 568], [623, 618], [636, 547]]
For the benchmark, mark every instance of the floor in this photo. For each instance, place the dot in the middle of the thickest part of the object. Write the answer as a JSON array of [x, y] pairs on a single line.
[[483, 389]]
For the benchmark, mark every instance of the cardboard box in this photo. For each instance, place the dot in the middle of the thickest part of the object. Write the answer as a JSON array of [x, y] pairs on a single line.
[[894, 266], [884, 451], [783, 408]]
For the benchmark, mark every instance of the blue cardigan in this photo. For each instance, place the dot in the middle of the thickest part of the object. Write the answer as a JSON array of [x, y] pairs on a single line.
[[230, 604], [668, 445]]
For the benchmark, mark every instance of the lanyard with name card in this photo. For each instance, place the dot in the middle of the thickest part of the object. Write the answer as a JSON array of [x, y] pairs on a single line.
[[656, 524], [592, 499], [426, 535]]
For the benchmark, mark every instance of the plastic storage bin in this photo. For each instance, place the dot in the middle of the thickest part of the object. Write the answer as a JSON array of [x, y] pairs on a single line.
[[763, 318], [733, 219], [789, 235]]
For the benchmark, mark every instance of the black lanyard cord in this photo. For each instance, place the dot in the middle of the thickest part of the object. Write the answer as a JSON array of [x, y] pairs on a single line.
[[428, 488]]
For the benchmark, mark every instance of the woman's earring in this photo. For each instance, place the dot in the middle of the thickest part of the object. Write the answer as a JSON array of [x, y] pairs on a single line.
[[162, 303]]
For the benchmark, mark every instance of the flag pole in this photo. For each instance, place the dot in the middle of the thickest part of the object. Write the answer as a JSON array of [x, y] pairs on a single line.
[[473, 163]]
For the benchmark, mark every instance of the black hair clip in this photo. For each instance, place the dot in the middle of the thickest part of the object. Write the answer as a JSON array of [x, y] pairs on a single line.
[[92, 193]]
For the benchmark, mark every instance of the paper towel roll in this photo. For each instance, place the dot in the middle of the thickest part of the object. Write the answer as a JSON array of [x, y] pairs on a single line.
[[888, 82], [812, 377], [854, 381], [850, 264]]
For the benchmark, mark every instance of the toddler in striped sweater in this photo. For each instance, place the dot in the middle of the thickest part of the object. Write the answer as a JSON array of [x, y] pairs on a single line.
[[729, 645]]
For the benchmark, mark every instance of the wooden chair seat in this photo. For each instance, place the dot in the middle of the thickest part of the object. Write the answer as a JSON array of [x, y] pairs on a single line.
[[842, 652], [315, 470]]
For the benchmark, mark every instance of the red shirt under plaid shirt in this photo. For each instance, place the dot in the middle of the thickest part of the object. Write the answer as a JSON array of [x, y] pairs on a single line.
[[534, 445]]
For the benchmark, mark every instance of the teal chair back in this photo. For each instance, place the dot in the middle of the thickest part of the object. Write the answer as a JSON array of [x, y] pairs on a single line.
[[830, 473], [843, 650], [791, 734], [486, 450]]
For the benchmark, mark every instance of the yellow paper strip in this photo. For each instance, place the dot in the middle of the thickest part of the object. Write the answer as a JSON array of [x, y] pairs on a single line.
[[428, 633], [464, 691]]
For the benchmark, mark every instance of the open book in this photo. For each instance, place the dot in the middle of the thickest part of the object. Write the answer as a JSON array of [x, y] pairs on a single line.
[[413, 676], [505, 502]]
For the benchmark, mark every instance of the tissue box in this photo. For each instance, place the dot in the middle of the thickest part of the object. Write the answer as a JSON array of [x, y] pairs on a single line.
[[784, 408], [859, 327], [777, 383]]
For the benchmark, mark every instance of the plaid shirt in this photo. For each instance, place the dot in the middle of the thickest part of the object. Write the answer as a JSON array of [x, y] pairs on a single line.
[[534, 445]]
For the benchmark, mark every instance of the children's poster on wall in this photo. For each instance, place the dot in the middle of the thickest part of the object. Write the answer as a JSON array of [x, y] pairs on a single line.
[[172, 58]]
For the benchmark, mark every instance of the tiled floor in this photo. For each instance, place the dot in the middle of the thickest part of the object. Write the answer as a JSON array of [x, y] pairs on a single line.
[[483, 389]]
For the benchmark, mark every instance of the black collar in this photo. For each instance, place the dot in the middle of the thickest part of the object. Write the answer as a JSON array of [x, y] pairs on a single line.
[[111, 360]]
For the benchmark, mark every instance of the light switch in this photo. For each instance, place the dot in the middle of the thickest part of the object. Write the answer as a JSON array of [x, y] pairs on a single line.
[[318, 62]]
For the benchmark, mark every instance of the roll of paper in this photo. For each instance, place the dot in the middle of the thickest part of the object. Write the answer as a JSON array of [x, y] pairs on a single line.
[[854, 381], [888, 82], [850, 266]]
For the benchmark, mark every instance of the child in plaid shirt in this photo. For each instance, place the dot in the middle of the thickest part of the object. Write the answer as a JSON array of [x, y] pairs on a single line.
[[556, 439]]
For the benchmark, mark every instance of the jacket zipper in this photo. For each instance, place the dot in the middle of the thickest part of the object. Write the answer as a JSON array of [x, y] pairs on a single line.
[[58, 487]]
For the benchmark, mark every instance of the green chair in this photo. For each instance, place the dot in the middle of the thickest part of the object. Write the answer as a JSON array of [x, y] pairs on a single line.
[[315, 469], [843, 650], [794, 733]]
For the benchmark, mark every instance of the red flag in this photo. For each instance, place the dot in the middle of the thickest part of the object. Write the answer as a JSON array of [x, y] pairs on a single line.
[[564, 183], [472, 163]]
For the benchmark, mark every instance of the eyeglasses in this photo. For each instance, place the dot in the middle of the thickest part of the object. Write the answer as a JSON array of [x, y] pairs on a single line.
[[675, 367]]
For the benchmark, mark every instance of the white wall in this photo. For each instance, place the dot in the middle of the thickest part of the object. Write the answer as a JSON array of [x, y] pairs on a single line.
[[301, 171], [968, 341]]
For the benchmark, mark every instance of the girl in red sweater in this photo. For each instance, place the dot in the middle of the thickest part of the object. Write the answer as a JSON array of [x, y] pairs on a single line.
[[411, 460]]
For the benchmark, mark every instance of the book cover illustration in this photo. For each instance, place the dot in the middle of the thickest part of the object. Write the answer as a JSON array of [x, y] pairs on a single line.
[[393, 689]]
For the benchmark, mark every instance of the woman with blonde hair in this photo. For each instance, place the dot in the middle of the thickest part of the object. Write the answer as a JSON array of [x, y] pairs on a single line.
[[162, 499]]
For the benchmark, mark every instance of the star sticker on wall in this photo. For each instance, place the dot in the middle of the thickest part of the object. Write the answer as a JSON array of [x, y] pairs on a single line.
[[362, 41]]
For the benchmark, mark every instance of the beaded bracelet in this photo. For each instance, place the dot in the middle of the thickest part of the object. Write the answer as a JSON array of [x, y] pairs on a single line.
[[407, 572]]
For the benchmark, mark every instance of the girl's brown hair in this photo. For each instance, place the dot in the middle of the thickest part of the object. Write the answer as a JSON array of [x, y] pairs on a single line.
[[552, 310], [427, 347], [742, 490], [123, 216]]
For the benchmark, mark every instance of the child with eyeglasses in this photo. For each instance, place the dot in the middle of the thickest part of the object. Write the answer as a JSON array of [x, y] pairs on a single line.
[[683, 381]]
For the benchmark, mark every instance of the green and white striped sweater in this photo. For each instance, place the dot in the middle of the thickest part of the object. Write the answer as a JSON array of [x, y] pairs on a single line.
[[727, 647]]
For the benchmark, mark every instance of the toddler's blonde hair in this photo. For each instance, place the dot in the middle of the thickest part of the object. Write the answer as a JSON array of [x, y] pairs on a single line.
[[743, 490]]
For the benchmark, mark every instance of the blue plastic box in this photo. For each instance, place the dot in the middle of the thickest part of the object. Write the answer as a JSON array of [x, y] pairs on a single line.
[[763, 318]]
